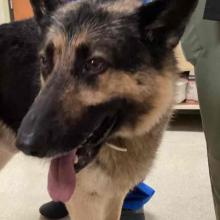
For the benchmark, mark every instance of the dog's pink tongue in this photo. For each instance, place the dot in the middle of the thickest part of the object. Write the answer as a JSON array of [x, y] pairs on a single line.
[[61, 178]]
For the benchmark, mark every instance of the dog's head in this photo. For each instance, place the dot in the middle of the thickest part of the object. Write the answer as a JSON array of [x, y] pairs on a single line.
[[106, 71]]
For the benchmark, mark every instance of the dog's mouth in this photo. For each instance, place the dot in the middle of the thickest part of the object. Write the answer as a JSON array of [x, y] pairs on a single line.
[[62, 172]]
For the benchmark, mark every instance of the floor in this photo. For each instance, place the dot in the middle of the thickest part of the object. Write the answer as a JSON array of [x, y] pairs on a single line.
[[180, 178]]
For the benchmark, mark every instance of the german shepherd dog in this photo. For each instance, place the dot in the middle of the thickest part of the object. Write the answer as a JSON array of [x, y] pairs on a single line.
[[91, 85]]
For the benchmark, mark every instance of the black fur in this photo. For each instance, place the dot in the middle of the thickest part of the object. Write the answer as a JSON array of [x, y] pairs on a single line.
[[43, 9], [19, 70], [112, 35], [163, 22]]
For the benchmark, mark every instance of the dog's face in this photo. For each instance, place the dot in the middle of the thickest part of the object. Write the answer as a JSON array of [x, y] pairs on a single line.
[[106, 72]]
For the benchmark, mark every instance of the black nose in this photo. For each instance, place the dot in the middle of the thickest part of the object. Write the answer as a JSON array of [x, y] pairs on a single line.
[[29, 139], [27, 144]]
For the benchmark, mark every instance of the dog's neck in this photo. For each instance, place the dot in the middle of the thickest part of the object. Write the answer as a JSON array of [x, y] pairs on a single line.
[[139, 156]]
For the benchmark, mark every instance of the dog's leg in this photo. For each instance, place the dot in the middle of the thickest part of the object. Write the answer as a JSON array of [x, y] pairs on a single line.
[[7, 146], [86, 206], [96, 197], [114, 208]]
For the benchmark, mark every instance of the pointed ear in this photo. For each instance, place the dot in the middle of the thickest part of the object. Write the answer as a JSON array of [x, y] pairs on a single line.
[[44, 8], [163, 22]]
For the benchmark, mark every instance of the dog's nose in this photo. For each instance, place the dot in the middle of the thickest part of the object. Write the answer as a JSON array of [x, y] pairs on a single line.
[[28, 139], [26, 143]]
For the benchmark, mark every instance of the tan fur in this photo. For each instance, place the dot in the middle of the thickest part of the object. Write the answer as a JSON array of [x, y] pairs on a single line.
[[119, 84], [57, 36], [95, 200], [42, 81], [7, 144], [164, 98], [123, 6], [103, 185], [68, 7], [79, 39]]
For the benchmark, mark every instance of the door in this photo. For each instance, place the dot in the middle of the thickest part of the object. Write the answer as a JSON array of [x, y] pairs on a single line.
[[21, 9]]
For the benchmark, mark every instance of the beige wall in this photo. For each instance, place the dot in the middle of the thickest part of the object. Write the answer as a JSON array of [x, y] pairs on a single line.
[[4, 11]]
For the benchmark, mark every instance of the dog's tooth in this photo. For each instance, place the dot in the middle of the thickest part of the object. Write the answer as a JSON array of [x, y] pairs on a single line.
[[76, 160]]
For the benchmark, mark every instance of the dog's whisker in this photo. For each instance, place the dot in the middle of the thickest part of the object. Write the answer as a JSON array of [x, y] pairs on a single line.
[[90, 136], [114, 147], [84, 141]]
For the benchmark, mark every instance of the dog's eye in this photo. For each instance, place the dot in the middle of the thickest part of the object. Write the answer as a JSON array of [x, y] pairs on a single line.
[[44, 66], [95, 66], [46, 60], [43, 61]]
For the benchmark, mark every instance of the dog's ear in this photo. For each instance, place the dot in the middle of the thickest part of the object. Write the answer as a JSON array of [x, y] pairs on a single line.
[[163, 22], [43, 9]]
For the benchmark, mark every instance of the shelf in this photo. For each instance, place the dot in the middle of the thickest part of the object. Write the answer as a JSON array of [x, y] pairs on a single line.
[[185, 106]]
